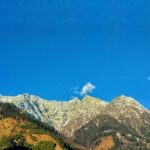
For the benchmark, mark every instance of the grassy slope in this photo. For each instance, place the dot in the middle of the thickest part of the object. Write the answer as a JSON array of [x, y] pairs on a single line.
[[19, 126]]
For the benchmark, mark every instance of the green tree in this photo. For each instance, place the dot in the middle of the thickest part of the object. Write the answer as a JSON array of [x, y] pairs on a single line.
[[6, 143], [45, 145]]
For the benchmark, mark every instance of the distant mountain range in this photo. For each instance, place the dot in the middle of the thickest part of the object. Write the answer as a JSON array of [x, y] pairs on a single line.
[[92, 123]]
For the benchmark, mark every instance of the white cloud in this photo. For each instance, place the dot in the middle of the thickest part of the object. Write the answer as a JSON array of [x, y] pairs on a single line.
[[148, 78], [87, 88]]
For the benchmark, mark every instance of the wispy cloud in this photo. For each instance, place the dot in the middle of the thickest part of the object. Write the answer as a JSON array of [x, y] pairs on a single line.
[[75, 90], [87, 88], [148, 78]]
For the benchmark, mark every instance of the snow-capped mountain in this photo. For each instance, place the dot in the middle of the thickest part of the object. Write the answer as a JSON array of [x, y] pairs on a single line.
[[59, 113], [69, 116], [32, 104]]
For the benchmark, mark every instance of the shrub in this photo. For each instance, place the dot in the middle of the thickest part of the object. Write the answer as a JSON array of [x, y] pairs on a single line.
[[45, 145], [6, 143]]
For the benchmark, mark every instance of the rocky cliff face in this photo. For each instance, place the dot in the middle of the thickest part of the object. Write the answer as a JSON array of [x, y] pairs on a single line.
[[124, 119], [77, 119], [19, 130], [65, 116]]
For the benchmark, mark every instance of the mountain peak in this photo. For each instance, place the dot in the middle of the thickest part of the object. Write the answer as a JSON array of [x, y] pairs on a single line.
[[75, 99], [90, 99], [126, 100], [25, 95]]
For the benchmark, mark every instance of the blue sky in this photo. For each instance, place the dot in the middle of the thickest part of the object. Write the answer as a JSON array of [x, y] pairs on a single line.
[[52, 48]]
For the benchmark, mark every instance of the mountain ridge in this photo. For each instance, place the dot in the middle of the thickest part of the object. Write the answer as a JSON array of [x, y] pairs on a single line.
[[89, 118], [74, 98]]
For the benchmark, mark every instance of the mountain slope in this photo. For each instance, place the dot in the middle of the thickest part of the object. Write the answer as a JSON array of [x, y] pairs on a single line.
[[91, 122], [124, 119], [18, 129], [93, 133], [65, 116], [32, 104], [130, 113]]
